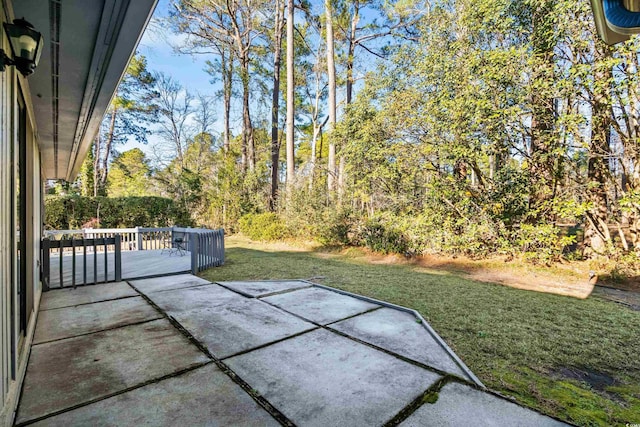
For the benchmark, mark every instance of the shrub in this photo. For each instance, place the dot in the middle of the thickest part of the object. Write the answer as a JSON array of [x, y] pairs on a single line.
[[335, 229], [264, 226], [541, 243], [382, 237], [73, 212]]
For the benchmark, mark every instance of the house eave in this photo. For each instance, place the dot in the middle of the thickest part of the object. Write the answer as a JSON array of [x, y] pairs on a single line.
[[88, 45]]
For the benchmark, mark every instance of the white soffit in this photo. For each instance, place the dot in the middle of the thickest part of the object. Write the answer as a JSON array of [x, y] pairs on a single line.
[[88, 44]]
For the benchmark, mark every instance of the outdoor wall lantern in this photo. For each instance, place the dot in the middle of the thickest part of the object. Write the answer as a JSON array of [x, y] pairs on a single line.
[[616, 20], [26, 47]]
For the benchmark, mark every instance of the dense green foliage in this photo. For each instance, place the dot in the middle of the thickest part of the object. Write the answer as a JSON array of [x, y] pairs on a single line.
[[129, 175], [576, 359], [265, 227], [75, 212], [130, 112], [463, 127]]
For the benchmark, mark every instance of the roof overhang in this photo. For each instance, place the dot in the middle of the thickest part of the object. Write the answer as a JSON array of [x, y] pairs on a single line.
[[88, 45], [616, 20]]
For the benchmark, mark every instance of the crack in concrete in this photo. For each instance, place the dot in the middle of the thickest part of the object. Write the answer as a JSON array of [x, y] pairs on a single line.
[[174, 289]]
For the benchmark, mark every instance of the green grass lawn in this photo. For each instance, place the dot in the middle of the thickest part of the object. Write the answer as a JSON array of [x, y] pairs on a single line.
[[576, 359]]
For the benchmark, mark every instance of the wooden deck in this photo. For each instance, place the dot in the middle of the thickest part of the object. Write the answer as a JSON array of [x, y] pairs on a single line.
[[135, 264]]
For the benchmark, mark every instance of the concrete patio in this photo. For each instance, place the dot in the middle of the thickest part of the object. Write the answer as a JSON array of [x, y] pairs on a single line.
[[178, 350]]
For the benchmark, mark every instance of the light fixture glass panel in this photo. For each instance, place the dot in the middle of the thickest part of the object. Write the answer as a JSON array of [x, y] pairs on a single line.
[[26, 45], [24, 41]]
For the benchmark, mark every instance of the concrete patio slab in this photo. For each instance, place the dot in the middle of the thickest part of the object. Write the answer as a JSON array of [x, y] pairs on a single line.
[[58, 298], [165, 283], [400, 333], [320, 305], [83, 319], [149, 373], [460, 405], [204, 396], [227, 323], [69, 372], [255, 289], [323, 379]]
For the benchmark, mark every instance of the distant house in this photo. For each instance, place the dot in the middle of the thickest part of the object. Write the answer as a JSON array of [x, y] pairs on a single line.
[[47, 123]]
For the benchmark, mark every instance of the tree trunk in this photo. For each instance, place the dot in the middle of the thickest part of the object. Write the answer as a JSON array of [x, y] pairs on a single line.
[[351, 51], [341, 178], [597, 235], [291, 167], [331, 73], [96, 165], [542, 158], [227, 84], [275, 105], [248, 148], [317, 134], [355, 18], [460, 171], [312, 160], [107, 151]]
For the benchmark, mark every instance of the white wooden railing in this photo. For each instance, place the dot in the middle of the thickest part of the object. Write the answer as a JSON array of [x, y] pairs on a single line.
[[132, 239]]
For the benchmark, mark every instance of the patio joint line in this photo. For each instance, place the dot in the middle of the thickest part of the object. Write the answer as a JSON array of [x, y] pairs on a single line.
[[170, 290], [246, 387], [155, 276], [403, 358], [285, 291], [88, 303], [261, 346], [259, 297], [101, 330], [319, 325], [422, 399], [354, 315], [328, 328], [418, 316], [116, 393]]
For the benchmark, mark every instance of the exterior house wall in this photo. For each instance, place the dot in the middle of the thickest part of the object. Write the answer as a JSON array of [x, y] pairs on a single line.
[[77, 76], [14, 346], [6, 260]]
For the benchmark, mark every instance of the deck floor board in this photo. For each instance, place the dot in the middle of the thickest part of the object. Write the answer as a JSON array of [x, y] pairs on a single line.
[[135, 264]]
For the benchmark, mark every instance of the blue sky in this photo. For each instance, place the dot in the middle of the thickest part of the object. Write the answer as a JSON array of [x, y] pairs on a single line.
[[156, 46]]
